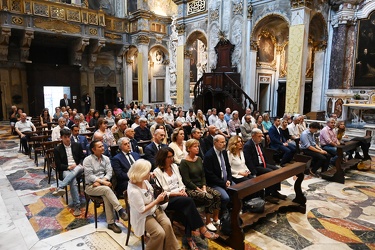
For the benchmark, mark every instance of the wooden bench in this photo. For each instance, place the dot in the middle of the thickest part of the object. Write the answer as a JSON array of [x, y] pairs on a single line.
[[337, 174], [240, 191]]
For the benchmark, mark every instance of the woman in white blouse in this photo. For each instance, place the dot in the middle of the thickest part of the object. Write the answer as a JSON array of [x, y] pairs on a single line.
[[236, 158], [178, 145], [145, 212]]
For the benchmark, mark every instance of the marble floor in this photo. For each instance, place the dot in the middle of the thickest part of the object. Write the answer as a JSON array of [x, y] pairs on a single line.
[[339, 216]]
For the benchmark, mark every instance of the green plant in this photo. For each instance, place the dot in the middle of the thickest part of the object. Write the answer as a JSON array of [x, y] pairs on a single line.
[[356, 97]]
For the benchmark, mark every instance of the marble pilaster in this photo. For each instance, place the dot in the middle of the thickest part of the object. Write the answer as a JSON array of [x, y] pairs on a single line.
[[180, 67], [251, 89], [317, 93], [337, 57], [297, 59], [128, 82], [143, 90], [351, 41]]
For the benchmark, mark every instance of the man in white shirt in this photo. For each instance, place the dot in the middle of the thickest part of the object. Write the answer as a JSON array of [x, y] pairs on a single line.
[[293, 127], [248, 112], [227, 115], [24, 126], [169, 121], [213, 117], [222, 126], [55, 136]]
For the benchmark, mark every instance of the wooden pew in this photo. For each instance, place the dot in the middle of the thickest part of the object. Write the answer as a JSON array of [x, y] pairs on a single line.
[[337, 174], [239, 191]]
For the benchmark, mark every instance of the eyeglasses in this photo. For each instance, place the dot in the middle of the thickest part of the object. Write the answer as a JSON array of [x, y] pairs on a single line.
[[170, 156]]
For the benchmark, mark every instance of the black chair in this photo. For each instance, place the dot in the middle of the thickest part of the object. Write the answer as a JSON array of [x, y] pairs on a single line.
[[97, 200], [129, 225]]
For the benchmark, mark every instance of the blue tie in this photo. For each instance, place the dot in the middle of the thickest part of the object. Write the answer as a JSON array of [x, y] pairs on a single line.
[[223, 169]]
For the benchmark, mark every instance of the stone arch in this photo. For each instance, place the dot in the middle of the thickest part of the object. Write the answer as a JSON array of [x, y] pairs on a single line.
[[366, 10], [318, 28], [277, 21], [196, 44]]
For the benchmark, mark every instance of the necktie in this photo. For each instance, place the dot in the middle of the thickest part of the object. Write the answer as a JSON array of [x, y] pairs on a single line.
[[75, 139], [261, 155], [223, 169], [159, 147], [130, 159]]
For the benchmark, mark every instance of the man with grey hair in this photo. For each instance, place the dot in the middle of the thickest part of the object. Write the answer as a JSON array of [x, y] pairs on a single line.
[[328, 139], [142, 132], [256, 163], [24, 126], [68, 122], [55, 136], [293, 127], [129, 133], [209, 139], [159, 121], [246, 128], [248, 112], [222, 125], [121, 164], [152, 148], [122, 124]]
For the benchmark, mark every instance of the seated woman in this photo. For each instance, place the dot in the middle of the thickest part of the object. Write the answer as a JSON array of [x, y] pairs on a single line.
[[109, 118], [340, 132], [102, 129], [169, 177], [145, 211], [178, 145], [234, 123], [193, 176], [94, 120], [45, 118], [236, 158]]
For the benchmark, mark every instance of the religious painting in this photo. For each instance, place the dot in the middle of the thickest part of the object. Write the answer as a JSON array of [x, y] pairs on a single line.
[[365, 61], [266, 52], [329, 106], [338, 107]]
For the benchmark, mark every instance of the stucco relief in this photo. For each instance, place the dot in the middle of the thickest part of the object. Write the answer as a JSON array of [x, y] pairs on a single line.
[[236, 39], [225, 22], [214, 39], [214, 4], [172, 47]]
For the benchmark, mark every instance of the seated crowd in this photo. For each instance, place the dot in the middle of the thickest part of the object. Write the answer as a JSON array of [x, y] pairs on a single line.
[[194, 157]]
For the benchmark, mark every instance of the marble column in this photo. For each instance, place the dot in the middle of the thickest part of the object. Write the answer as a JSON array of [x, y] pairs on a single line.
[[337, 57], [250, 65], [318, 89], [143, 91], [186, 97], [252, 89], [180, 64], [128, 82], [297, 58]]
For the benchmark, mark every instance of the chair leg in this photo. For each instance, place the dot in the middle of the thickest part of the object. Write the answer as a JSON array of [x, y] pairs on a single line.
[[143, 242], [128, 235], [66, 195], [87, 205], [96, 216]]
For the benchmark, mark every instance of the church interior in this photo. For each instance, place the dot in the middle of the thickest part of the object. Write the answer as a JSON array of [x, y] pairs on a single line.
[[305, 57]]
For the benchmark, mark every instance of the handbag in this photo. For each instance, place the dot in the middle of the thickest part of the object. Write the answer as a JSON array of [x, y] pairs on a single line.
[[158, 189], [255, 205]]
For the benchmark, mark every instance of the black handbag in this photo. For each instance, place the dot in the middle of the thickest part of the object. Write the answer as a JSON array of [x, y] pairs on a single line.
[[158, 189], [255, 205]]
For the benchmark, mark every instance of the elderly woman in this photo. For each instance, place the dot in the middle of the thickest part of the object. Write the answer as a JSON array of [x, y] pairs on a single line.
[[194, 178], [145, 211], [267, 124], [178, 145], [236, 158], [169, 176], [103, 129], [234, 123], [151, 117], [109, 118]]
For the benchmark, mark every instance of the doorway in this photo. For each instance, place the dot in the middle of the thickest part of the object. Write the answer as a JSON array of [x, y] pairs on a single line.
[[103, 96], [1, 106], [52, 96], [264, 97]]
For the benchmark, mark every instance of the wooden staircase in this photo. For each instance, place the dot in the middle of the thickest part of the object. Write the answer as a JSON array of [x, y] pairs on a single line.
[[222, 88]]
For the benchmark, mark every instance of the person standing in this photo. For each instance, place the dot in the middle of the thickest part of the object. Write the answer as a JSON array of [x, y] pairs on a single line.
[[87, 100], [65, 102], [98, 173], [120, 101]]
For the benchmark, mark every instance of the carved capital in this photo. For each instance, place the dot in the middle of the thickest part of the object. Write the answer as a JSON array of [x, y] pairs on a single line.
[[214, 15], [180, 28], [159, 39], [249, 11], [237, 8], [253, 45], [4, 42], [187, 54], [78, 48], [95, 48], [129, 62], [28, 36], [143, 39], [279, 49], [300, 3], [320, 46], [166, 62]]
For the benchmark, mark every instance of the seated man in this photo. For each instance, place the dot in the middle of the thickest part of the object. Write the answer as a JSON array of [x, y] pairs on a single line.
[[129, 133], [122, 124], [98, 173], [256, 163], [222, 125], [293, 129], [328, 139], [121, 164], [142, 132], [209, 139], [218, 170], [13, 118], [278, 142], [55, 136], [24, 126], [152, 148], [246, 128], [196, 133], [320, 157], [77, 138], [68, 158], [99, 137]]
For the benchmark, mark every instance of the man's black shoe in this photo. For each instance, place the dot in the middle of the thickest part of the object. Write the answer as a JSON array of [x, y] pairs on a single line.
[[279, 196], [272, 200], [358, 156], [123, 214], [114, 228]]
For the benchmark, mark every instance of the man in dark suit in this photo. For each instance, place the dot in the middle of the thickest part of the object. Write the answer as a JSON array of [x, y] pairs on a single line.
[[218, 170], [76, 137], [65, 101], [278, 142], [68, 122], [152, 148], [129, 132], [121, 164], [87, 100], [196, 133], [119, 101], [209, 139], [142, 132], [256, 163], [68, 158]]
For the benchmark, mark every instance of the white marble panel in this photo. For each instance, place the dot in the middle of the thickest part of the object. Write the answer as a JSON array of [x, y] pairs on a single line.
[[12, 239], [27, 231], [15, 208]]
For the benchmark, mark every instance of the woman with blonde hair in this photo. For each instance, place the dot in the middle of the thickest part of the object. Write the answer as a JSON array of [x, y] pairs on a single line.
[[200, 122], [145, 211], [193, 176], [236, 158], [267, 124], [178, 145]]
